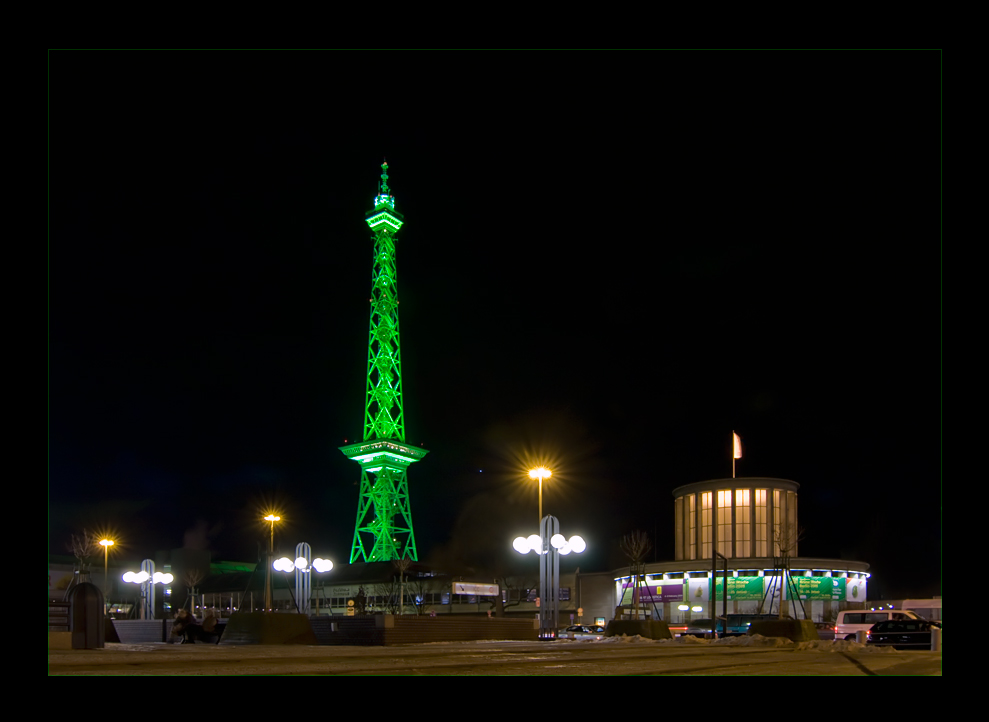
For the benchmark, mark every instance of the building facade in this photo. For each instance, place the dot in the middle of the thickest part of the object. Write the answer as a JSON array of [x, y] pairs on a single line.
[[750, 526]]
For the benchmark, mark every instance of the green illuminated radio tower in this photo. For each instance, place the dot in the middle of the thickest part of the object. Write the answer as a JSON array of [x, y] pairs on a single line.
[[383, 531]]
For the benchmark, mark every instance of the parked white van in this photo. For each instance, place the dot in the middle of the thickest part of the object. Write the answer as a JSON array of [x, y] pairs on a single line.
[[851, 621]]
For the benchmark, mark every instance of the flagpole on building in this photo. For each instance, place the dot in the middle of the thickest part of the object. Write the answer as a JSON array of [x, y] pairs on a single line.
[[736, 451]]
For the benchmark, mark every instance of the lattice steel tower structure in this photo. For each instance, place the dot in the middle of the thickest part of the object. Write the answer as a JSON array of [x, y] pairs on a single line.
[[384, 521]]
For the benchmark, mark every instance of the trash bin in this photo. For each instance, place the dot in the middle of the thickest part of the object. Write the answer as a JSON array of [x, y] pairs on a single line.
[[87, 616]]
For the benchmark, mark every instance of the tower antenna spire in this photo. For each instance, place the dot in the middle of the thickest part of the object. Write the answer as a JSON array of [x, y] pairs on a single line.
[[384, 178]]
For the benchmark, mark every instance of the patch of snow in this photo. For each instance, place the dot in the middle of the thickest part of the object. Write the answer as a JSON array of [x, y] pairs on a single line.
[[625, 639]]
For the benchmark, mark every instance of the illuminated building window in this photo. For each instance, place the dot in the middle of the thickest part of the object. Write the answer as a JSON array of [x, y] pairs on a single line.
[[761, 538], [724, 523], [678, 526], [692, 534], [743, 543], [791, 520], [706, 525]]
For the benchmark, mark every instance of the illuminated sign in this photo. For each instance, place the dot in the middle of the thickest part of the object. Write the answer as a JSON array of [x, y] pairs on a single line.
[[741, 588], [484, 590], [816, 588]]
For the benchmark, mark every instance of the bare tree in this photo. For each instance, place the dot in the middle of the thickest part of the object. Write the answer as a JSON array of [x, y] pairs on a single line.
[[785, 540], [386, 596], [83, 547], [192, 579], [419, 588], [518, 587], [402, 565], [636, 545]]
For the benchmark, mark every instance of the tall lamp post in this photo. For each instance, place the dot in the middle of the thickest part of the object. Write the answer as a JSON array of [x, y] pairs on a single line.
[[549, 544], [271, 552], [303, 566], [541, 473], [147, 578], [106, 544]]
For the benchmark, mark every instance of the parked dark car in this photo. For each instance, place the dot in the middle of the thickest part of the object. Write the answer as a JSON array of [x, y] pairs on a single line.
[[902, 634]]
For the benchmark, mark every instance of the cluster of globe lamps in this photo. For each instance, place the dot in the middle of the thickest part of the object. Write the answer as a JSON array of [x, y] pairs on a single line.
[[287, 565], [524, 545], [142, 577]]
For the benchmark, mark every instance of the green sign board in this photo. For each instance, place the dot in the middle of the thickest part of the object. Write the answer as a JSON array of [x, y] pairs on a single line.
[[814, 588], [740, 588]]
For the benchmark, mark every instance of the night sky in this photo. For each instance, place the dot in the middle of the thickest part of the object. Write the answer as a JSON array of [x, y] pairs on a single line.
[[609, 262]]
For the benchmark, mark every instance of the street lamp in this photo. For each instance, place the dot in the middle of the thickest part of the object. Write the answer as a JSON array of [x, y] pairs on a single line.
[[549, 544], [541, 473], [271, 552], [303, 574], [147, 578], [106, 544]]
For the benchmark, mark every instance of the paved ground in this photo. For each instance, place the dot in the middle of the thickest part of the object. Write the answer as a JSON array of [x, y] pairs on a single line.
[[498, 658]]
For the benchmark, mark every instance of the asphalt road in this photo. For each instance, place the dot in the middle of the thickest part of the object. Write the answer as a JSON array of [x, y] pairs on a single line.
[[488, 658]]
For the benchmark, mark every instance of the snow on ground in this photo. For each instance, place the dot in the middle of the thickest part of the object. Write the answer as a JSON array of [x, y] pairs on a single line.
[[756, 640]]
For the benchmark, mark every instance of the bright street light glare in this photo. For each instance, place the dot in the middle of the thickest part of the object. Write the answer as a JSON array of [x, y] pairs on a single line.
[[521, 545], [535, 543], [129, 577], [577, 544], [541, 473], [301, 563], [557, 541]]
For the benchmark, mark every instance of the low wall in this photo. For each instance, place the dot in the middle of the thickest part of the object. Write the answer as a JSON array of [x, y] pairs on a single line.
[[388, 629], [798, 630], [140, 631], [268, 628]]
